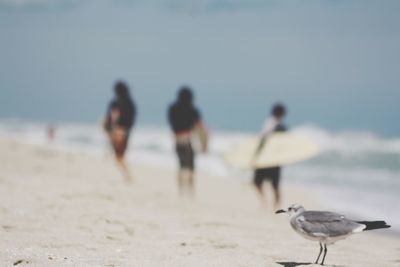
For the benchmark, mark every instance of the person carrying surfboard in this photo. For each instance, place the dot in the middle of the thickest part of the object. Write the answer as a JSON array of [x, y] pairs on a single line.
[[185, 121], [270, 174]]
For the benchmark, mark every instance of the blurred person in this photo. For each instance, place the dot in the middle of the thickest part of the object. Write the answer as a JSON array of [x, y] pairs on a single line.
[[118, 123], [185, 121], [270, 174], [51, 132]]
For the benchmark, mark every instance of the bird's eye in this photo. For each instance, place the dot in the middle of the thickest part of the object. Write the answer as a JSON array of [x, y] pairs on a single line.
[[290, 209]]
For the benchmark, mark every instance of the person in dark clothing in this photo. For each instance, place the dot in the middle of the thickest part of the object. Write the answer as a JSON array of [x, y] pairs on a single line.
[[271, 174], [184, 118], [119, 121]]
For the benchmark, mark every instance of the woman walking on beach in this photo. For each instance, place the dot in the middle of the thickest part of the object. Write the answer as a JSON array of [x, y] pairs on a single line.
[[119, 121], [185, 121]]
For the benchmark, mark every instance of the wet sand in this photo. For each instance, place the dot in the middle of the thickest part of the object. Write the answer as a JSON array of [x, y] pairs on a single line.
[[68, 209]]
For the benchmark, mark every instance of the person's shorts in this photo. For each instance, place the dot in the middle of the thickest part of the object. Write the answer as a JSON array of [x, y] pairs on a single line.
[[185, 155], [267, 174]]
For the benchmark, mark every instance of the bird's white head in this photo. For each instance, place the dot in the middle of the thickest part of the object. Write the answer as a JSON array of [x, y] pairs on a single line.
[[293, 210]]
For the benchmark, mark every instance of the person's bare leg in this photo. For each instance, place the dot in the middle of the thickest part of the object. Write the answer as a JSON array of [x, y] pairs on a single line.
[[180, 181], [186, 182], [261, 194], [277, 192], [190, 183], [119, 142], [119, 146], [125, 170], [277, 195]]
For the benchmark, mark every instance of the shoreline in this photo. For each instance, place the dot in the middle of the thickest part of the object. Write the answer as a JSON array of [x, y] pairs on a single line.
[[73, 209]]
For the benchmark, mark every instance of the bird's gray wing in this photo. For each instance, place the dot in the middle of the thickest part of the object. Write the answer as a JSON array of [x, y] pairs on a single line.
[[326, 216], [324, 223]]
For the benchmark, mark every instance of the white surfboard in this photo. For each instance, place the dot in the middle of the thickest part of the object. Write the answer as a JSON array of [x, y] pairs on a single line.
[[279, 149], [200, 139]]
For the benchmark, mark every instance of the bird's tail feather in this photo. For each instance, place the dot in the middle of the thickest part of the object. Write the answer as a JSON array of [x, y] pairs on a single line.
[[371, 225]]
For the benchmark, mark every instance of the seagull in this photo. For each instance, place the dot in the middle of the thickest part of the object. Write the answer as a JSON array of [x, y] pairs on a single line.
[[326, 227]]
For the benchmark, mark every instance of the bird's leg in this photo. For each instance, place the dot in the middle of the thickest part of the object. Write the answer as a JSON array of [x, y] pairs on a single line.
[[320, 251], [325, 251]]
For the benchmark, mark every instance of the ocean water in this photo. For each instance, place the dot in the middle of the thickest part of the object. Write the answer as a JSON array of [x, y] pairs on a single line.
[[356, 173]]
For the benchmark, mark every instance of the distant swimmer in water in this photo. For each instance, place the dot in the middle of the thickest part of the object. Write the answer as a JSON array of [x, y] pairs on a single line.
[[270, 174], [185, 121], [118, 123], [51, 132]]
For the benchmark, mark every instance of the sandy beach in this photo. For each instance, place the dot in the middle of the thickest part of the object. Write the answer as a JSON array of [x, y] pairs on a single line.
[[68, 209]]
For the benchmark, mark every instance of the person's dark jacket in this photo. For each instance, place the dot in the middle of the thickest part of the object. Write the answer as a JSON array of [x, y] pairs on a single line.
[[182, 117]]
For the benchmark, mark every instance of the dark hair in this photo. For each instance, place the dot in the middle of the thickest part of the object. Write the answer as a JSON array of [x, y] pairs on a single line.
[[121, 90], [123, 98], [185, 95], [278, 110]]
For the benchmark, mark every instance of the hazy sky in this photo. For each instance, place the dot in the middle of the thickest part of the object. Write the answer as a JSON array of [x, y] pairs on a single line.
[[334, 63]]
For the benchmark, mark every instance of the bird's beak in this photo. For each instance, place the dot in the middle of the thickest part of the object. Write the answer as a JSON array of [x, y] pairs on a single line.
[[280, 211]]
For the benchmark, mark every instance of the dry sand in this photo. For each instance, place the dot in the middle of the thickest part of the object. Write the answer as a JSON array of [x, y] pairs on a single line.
[[67, 209]]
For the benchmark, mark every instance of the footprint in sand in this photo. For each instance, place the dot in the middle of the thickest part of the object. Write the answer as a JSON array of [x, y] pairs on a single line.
[[129, 230], [20, 262], [212, 224], [109, 237], [7, 227], [205, 242], [222, 245]]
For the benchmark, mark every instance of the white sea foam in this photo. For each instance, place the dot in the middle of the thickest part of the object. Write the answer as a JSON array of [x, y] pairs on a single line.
[[350, 141]]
